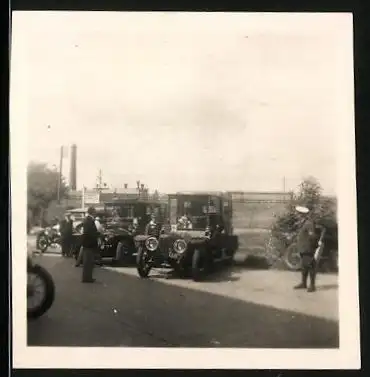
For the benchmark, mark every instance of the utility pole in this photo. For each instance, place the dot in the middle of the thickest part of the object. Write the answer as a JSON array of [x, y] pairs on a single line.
[[284, 184], [60, 173], [100, 186]]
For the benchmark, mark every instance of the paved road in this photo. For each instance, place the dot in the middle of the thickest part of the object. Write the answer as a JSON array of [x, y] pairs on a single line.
[[233, 308]]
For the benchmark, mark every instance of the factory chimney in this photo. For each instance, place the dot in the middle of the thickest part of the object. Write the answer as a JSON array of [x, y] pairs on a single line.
[[73, 168]]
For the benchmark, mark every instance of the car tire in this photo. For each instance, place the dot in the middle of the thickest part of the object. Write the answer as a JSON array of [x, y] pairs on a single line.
[[199, 265], [122, 257], [49, 295], [142, 265]]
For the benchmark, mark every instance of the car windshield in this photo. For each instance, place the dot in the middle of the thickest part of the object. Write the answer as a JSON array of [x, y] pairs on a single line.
[[125, 211], [193, 211]]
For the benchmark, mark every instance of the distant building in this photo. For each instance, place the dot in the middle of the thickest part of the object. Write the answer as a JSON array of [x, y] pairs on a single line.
[[105, 195], [123, 193]]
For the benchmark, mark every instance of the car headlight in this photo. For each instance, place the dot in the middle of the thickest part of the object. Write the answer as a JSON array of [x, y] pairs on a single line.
[[179, 246], [151, 243]]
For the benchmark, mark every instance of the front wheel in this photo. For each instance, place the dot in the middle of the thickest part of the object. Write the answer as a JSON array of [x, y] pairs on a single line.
[[199, 266], [40, 291], [122, 254], [292, 258], [143, 262], [42, 243]]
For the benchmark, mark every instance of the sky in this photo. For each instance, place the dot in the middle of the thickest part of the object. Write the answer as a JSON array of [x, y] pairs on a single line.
[[183, 101]]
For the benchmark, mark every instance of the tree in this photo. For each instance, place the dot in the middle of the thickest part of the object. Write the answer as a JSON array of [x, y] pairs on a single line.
[[42, 188], [309, 193]]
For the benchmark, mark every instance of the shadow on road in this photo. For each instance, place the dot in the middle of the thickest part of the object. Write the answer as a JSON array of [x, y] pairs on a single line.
[[252, 262], [123, 310], [218, 274], [327, 287]]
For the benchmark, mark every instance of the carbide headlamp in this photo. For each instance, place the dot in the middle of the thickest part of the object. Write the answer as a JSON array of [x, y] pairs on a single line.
[[179, 246], [151, 243]]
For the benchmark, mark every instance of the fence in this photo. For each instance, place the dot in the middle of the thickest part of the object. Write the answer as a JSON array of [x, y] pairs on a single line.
[[256, 214]]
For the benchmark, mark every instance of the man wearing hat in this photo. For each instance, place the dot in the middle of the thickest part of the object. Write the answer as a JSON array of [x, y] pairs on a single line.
[[66, 231], [307, 245], [90, 237]]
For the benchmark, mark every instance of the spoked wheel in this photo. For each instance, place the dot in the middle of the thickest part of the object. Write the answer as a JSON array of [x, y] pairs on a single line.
[[42, 243], [40, 291], [200, 265], [144, 262], [292, 258]]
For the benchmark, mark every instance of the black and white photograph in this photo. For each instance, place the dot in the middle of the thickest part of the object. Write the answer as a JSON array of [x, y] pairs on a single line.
[[183, 190]]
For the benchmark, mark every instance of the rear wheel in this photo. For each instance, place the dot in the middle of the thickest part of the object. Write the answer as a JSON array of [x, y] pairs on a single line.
[[122, 254], [143, 262], [200, 265]]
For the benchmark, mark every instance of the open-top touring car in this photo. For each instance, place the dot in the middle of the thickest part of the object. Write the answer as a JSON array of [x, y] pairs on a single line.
[[197, 235]]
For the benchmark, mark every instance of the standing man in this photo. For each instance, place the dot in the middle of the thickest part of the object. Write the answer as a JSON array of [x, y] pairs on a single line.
[[66, 231], [100, 229], [307, 244], [89, 245]]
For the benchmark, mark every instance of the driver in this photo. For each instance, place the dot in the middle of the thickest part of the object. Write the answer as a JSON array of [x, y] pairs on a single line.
[[153, 228], [185, 222]]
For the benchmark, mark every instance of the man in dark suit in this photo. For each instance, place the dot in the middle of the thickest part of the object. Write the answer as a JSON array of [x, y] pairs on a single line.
[[66, 231], [90, 237]]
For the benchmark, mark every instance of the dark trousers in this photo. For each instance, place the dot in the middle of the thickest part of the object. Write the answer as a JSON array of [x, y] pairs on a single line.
[[309, 269], [97, 256], [66, 244], [88, 260]]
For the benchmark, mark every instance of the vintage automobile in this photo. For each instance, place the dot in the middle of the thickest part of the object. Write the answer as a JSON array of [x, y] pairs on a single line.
[[78, 215], [122, 220], [198, 235]]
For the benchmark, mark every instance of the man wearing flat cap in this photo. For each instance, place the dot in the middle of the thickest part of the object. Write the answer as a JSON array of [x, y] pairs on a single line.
[[307, 245], [90, 237]]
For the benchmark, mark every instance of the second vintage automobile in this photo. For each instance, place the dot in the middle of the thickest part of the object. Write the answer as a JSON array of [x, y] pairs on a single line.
[[198, 235], [122, 220]]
